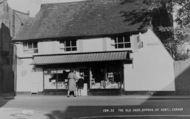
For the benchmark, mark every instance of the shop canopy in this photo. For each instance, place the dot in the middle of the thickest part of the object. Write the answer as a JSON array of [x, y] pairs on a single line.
[[81, 57]]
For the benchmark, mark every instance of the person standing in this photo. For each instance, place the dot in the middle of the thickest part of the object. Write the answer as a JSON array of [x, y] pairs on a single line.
[[80, 85], [72, 83]]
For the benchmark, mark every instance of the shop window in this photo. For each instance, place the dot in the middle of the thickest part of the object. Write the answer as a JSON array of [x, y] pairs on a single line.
[[55, 79], [122, 41], [68, 45], [31, 47], [105, 78]]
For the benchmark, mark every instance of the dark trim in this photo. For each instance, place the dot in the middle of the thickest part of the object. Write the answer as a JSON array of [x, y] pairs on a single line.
[[43, 79], [182, 92], [28, 93], [105, 92], [78, 53], [126, 60], [23, 93], [79, 63], [25, 57], [151, 93], [109, 92], [54, 92]]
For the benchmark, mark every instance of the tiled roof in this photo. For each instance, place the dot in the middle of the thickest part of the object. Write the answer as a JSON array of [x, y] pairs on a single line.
[[80, 19]]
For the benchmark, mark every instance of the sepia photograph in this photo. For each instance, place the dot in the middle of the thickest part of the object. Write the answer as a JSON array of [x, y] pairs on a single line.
[[95, 59]]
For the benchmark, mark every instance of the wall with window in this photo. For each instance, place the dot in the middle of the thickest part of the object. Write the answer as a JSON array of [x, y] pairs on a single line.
[[30, 47], [118, 42], [26, 49], [121, 42]]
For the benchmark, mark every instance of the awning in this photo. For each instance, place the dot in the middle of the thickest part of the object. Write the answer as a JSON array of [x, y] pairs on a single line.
[[81, 57]]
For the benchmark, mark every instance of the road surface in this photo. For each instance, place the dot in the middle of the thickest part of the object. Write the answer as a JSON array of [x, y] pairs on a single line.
[[95, 107]]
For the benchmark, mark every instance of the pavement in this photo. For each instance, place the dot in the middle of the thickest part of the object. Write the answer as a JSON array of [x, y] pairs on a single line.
[[18, 113], [61, 107]]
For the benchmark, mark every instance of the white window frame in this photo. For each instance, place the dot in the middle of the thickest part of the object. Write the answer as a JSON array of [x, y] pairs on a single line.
[[122, 43], [30, 47], [64, 45]]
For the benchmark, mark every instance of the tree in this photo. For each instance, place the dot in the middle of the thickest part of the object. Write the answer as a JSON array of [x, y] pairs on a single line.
[[183, 12], [159, 15]]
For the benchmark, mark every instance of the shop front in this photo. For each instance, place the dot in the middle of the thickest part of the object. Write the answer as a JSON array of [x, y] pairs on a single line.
[[100, 77]]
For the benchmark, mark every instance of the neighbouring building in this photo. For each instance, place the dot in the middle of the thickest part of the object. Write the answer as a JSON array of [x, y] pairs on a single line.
[[95, 38], [10, 22]]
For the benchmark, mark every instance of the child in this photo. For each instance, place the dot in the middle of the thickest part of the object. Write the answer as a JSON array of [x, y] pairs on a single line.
[[80, 85]]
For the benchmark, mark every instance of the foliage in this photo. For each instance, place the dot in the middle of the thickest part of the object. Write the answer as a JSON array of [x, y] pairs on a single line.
[[183, 13], [159, 15]]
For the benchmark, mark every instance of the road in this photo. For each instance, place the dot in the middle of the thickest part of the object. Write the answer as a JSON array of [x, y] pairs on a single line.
[[96, 107]]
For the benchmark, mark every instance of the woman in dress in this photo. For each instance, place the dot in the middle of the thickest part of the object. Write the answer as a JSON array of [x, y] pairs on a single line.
[[72, 83]]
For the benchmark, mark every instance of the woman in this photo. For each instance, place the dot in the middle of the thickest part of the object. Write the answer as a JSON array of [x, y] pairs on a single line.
[[72, 83]]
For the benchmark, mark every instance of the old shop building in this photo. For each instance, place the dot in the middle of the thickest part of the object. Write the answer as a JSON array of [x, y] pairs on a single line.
[[92, 37]]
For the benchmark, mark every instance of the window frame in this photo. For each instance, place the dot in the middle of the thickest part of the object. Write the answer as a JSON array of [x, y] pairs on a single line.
[[30, 46], [122, 41], [68, 45]]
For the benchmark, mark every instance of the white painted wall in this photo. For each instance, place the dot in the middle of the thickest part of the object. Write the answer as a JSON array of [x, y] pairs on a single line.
[[48, 47], [28, 80], [152, 68], [92, 45], [99, 44], [19, 49], [83, 45]]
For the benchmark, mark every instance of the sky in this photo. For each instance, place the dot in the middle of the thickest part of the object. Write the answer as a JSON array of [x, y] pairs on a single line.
[[32, 6]]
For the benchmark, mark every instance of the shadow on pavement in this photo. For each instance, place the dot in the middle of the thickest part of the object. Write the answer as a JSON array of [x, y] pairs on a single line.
[[4, 98]]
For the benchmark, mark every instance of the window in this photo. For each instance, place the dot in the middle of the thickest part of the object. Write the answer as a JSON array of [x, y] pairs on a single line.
[[122, 41], [108, 77], [55, 79], [30, 47], [69, 45]]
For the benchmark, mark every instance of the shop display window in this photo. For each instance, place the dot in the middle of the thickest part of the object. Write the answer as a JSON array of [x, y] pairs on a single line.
[[105, 78], [55, 79]]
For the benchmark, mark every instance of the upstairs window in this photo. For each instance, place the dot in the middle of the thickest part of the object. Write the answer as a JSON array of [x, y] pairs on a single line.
[[69, 45], [122, 41], [31, 47]]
